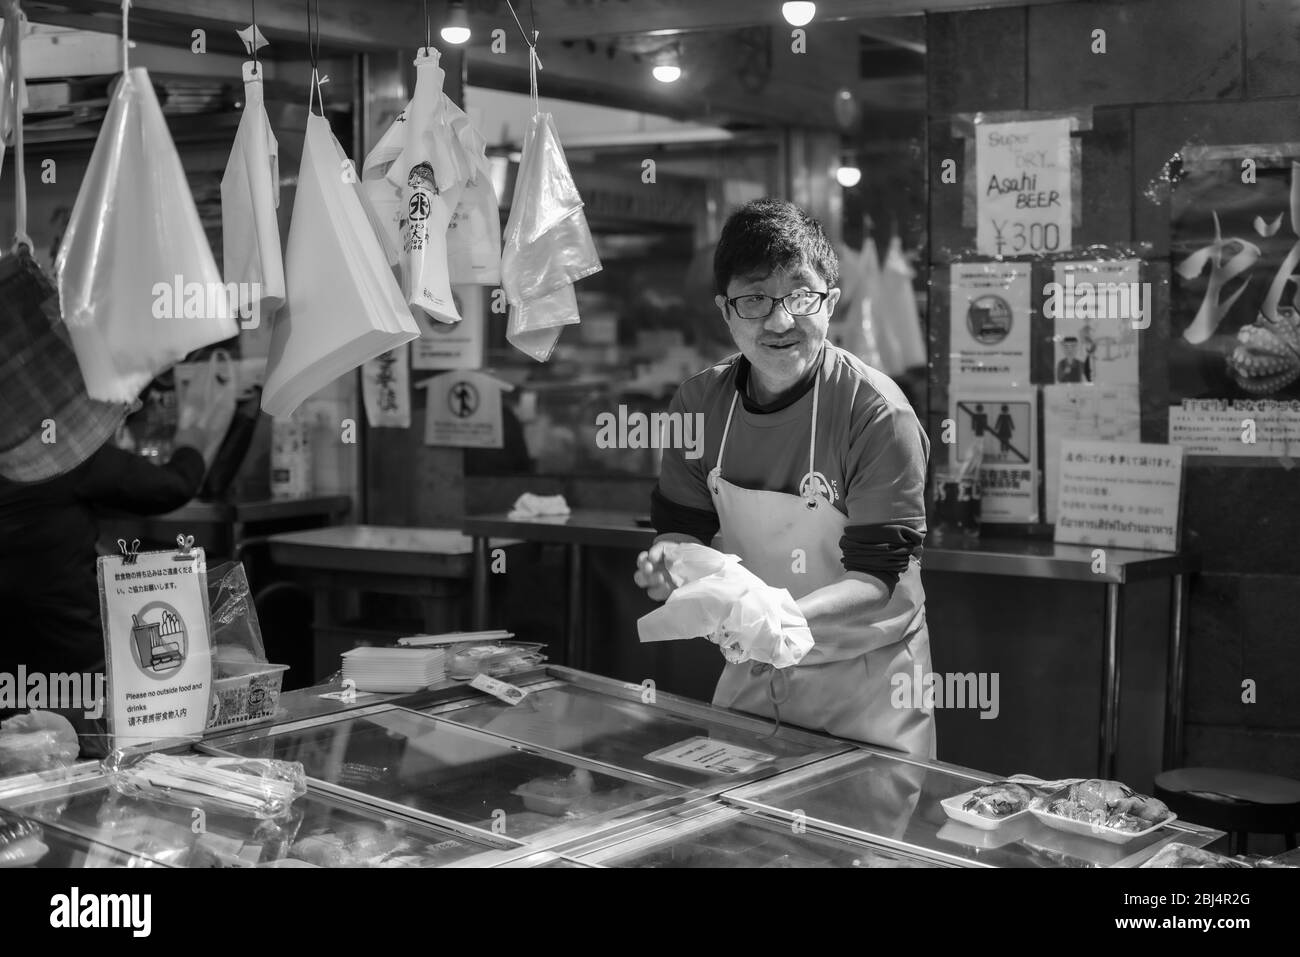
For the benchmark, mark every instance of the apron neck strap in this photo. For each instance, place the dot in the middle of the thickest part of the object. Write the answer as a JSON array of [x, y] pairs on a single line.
[[812, 438]]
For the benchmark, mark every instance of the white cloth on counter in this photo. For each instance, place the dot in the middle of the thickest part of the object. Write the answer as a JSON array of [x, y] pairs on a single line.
[[529, 506], [716, 597]]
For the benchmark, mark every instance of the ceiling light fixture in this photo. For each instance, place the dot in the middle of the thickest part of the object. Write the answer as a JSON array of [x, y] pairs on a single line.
[[667, 68], [798, 14], [849, 174], [456, 29]]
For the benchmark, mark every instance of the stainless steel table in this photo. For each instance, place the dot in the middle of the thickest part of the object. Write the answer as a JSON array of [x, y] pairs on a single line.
[[1017, 558]]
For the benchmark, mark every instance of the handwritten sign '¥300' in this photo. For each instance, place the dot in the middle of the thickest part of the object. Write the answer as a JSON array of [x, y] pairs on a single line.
[[1023, 187]]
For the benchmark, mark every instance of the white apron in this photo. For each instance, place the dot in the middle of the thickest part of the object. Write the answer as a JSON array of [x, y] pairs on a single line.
[[837, 691]]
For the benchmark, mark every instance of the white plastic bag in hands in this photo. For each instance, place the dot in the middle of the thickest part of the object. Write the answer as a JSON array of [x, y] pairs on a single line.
[[720, 599]]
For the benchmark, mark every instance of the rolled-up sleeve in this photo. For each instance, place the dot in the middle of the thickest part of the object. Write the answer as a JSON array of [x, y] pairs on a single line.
[[886, 494]]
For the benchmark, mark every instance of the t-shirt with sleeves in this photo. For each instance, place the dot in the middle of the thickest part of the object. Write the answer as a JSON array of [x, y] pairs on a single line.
[[870, 448]]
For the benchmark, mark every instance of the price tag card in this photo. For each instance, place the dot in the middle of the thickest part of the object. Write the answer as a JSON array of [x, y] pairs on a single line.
[[710, 756], [1023, 187], [154, 610]]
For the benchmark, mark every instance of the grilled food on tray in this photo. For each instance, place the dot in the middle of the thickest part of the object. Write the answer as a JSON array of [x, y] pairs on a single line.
[[1109, 804], [999, 799]]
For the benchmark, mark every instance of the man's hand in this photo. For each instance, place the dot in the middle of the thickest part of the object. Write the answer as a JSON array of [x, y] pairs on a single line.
[[652, 566]]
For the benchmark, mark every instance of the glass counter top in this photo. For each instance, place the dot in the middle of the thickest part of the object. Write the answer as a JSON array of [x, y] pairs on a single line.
[[318, 831], [882, 799], [410, 763], [29, 843], [692, 750], [731, 838]]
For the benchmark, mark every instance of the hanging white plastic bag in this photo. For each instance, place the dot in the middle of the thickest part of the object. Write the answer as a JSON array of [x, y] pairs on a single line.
[[474, 235], [548, 245], [137, 280], [206, 391], [7, 72], [344, 306], [250, 196], [902, 343], [862, 323], [432, 171]]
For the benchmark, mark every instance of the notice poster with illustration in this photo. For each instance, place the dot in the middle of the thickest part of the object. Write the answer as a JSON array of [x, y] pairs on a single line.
[[1098, 308], [1023, 187], [1108, 413], [1003, 422], [154, 609], [1123, 494], [455, 345], [1234, 355], [386, 390], [989, 324], [464, 410]]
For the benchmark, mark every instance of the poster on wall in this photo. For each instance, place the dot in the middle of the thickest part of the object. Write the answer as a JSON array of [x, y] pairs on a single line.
[[1234, 358], [1023, 195], [1124, 494], [1108, 413], [386, 390], [457, 345], [1098, 308], [1002, 422], [989, 327]]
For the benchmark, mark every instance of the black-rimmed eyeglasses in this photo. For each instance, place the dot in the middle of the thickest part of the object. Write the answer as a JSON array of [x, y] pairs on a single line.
[[802, 302]]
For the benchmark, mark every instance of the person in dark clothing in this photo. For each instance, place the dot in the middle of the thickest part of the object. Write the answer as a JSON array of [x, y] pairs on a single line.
[[58, 465]]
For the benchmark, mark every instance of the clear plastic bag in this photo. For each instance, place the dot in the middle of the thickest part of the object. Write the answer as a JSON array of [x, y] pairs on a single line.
[[139, 287], [236, 635], [37, 741], [495, 658], [262, 788]]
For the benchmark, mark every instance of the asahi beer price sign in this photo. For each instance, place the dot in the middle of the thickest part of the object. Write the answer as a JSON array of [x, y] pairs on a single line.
[[1023, 187]]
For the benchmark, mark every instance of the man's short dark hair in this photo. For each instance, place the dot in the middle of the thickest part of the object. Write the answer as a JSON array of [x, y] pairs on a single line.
[[766, 235]]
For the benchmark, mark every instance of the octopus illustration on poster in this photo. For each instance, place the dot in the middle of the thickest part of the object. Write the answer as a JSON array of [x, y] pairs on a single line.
[[1234, 358]]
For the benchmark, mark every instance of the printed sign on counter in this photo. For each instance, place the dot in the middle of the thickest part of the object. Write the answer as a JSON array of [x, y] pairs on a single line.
[[157, 646], [711, 757], [1004, 423], [1125, 494], [990, 324], [456, 345], [464, 410], [1023, 187]]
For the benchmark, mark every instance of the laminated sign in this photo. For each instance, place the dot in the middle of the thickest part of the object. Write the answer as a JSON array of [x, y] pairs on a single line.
[[154, 608], [464, 410], [1023, 188]]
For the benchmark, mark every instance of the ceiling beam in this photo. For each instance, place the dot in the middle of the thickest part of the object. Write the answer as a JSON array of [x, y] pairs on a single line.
[[398, 24]]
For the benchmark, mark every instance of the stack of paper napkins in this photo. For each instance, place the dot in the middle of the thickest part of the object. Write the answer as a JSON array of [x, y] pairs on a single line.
[[394, 670]]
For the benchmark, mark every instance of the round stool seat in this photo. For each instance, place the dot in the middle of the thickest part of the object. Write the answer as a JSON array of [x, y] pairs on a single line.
[[1243, 802]]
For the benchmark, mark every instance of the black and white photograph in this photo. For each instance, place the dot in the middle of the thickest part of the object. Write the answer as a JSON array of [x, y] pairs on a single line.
[[482, 435]]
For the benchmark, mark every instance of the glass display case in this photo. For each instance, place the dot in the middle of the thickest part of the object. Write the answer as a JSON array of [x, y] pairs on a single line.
[[88, 816], [671, 740], [411, 764], [728, 837], [894, 802]]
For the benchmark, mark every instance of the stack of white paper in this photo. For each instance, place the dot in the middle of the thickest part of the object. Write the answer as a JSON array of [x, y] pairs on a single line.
[[344, 306], [394, 670]]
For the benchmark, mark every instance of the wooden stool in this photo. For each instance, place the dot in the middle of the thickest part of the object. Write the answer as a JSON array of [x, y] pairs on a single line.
[[1239, 802]]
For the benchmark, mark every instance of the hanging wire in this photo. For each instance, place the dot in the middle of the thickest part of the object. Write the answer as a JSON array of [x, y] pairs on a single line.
[[428, 31], [257, 66], [126, 42], [532, 44]]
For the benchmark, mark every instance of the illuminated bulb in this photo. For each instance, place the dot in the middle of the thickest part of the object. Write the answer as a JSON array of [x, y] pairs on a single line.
[[798, 14], [848, 176], [456, 30], [667, 73]]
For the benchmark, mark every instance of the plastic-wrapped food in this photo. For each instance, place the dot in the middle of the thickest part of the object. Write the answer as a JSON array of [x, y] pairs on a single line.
[[37, 741], [263, 788], [1184, 855], [494, 658], [1109, 804], [1000, 799], [21, 843]]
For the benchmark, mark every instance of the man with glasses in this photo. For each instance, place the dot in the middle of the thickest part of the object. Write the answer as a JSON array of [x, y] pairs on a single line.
[[814, 473]]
